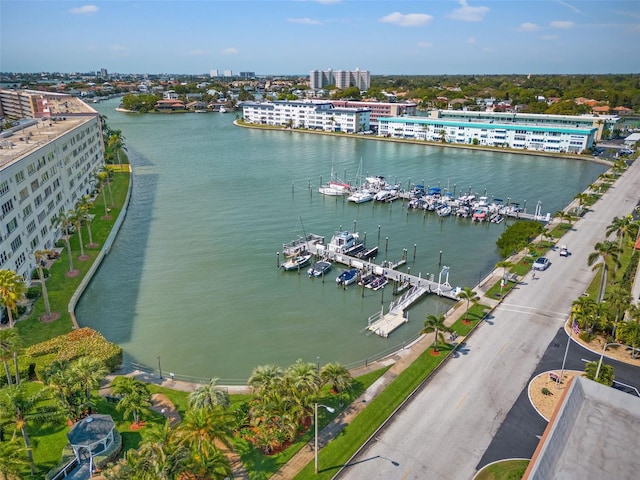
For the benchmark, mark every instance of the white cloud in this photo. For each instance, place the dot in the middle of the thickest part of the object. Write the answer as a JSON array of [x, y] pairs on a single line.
[[529, 27], [230, 51], [561, 24], [469, 14], [425, 44], [407, 20], [85, 9], [303, 21]]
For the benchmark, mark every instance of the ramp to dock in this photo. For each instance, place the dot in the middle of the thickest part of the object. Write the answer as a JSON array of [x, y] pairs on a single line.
[[383, 325]]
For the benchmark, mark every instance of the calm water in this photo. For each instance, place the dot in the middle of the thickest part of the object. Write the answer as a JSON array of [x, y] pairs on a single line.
[[192, 277]]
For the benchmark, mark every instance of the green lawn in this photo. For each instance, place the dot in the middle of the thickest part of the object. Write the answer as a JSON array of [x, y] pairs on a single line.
[[505, 470]]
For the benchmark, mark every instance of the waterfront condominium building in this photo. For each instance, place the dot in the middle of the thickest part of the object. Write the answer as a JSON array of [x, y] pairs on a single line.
[[543, 138], [47, 164], [380, 109], [340, 78], [314, 115]]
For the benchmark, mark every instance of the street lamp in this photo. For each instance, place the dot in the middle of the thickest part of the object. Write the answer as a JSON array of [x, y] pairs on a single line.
[[159, 367], [315, 413], [601, 358]]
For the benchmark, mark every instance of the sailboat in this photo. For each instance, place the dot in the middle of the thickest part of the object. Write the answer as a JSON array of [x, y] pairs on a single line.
[[335, 186], [362, 193]]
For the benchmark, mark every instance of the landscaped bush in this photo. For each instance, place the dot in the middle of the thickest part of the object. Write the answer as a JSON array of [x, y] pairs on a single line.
[[33, 293], [79, 343]]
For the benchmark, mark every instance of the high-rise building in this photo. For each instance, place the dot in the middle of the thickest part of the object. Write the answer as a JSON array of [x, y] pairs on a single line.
[[340, 78], [48, 163], [213, 73]]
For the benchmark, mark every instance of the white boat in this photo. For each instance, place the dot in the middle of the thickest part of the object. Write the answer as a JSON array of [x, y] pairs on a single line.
[[296, 262], [360, 196], [444, 211], [347, 277], [341, 242], [335, 187], [319, 269]]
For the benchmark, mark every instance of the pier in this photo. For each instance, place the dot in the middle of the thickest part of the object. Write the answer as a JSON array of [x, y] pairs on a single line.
[[380, 323]]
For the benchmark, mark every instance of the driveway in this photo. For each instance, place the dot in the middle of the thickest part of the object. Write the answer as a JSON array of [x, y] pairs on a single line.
[[445, 430]]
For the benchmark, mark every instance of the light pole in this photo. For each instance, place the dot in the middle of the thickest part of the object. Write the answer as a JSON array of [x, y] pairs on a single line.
[[315, 413], [159, 367], [601, 358]]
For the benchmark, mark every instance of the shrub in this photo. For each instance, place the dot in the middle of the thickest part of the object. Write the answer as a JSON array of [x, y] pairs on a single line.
[[79, 343], [587, 336], [546, 391], [33, 293]]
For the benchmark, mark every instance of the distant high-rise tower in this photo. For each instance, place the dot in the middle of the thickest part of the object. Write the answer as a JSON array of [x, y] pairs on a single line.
[[340, 78], [213, 73], [103, 73]]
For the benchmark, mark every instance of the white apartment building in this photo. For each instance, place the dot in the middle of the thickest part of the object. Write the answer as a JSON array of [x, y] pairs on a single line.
[[321, 115], [601, 122], [46, 166], [526, 137], [340, 78]]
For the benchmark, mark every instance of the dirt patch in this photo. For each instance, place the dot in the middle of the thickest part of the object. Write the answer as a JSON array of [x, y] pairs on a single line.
[[162, 404], [72, 273], [619, 352], [546, 404], [49, 318]]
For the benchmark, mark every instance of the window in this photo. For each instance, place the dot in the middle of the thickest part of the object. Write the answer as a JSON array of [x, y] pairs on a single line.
[[34, 243], [12, 225], [34, 185], [44, 231], [20, 260], [24, 193], [20, 176], [38, 201], [7, 207], [3, 257], [4, 187], [27, 211]]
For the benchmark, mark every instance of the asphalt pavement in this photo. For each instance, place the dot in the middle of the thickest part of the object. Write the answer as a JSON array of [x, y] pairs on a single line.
[[448, 429]]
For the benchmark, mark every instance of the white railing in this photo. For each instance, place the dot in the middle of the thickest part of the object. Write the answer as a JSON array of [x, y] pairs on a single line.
[[73, 463]]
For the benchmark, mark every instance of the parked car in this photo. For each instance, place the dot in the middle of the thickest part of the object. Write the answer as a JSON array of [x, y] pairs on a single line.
[[541, 263], [564, 251]]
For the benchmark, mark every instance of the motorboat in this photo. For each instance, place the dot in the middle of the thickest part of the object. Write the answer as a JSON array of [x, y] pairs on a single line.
[[367, 253], [343, 241], [367, 279], [480, 215], [347, 277], [378, 282], [320, 268], [296, 262], [360, 196], [444, 211]]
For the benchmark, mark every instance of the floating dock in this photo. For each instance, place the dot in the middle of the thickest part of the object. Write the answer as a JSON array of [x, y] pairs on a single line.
[[380, 323]]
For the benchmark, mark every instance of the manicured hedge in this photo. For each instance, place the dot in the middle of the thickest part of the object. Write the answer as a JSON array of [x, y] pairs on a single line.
[[78, 343]]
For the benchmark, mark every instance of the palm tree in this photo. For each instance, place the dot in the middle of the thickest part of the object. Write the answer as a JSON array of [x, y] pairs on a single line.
[[13, 460], [302, 383], [84, 205], [621, 226], [337, 376], [608, 251], [9, 344], [581, 198], [87, 373], [581, 309], [75, 217], [504, 264], [41, 256], [264, 378], [107, 179], [102, 178], [619, 298], [63, 221], [165, 461], [27, 408], [135, 397], [209, 395], [630, 332], [436, 325], [606, 375], [12, 289], [201, 429], [116, 143], [215, 466], [470, 296]]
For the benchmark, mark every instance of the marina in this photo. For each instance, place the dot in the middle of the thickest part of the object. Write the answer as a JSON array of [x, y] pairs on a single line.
[[192, 279], [371, 275]]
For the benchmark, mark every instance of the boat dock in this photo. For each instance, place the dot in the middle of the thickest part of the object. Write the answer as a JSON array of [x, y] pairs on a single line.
[[380, 323]]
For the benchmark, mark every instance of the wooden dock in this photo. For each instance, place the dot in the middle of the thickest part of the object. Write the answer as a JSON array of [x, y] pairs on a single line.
[[380, 323]]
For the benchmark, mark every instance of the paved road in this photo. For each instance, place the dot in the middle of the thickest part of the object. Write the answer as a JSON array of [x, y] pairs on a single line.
[[444, 432]]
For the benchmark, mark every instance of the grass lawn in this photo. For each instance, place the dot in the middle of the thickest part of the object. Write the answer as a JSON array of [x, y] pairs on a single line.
[[60, 287], [476, 313], [505, 470]]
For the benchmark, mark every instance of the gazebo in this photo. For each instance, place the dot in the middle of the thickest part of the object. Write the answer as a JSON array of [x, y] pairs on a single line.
[[91, 436]]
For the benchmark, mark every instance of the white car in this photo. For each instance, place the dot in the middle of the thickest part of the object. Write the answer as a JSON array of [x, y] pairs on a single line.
[[541, 263], [564, 251]]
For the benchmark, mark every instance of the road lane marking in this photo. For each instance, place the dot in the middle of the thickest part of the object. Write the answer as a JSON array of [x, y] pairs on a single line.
[[459, 404], [502, 348]]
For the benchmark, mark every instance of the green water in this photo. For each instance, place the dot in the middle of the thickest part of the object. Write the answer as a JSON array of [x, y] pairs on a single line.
[[192, 277]]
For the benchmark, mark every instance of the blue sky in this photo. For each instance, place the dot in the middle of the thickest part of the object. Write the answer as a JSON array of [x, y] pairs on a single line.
[[296, 36]]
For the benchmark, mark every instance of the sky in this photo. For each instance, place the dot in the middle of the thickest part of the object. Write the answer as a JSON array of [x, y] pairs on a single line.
[[278, 37]]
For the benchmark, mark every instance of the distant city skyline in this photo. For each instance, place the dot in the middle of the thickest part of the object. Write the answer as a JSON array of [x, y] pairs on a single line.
[[293, 37]]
